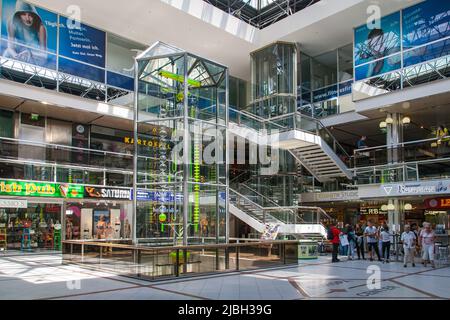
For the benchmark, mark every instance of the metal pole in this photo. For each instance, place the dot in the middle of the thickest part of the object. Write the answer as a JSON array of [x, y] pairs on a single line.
[[227, 158], [135, 159], [186, 153]]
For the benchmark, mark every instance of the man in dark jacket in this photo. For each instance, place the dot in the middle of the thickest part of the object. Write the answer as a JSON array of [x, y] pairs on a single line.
[[335, 241]]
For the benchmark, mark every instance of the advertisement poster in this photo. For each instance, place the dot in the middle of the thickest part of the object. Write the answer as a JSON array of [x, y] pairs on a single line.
[[426, 22], [379, 67], [29, 33], [377, 43], [85, 44]]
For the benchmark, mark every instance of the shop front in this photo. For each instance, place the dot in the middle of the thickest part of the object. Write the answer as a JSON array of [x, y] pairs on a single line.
[[103, 213], [31, 214]]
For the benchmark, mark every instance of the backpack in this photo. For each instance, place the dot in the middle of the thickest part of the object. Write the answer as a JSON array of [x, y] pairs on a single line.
[[330, 235]]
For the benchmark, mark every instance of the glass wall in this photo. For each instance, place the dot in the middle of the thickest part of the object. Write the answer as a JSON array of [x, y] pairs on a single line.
[[183, 100], [326, 83]]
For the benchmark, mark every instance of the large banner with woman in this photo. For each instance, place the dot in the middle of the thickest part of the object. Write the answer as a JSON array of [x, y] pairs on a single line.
[[29, 33]]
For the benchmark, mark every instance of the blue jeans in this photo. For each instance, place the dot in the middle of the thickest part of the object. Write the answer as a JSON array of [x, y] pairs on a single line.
[[351, 249]]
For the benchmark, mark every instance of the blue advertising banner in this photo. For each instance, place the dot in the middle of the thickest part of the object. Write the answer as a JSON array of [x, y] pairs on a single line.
[[325, 93], [345, 88], [376, 43], [29, 33], [425, 22], [378, 67], [85, 44]]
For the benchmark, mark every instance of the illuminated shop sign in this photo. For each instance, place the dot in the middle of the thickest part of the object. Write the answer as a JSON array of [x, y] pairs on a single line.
[[144, 142], [372, 211], [38, 189], [438, 203], [107, 193]]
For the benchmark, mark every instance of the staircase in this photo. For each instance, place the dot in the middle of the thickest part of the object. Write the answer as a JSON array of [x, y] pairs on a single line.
[[258, 217], [309, 142]]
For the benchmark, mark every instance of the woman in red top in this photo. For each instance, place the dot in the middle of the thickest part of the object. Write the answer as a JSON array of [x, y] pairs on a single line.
[[335, 241]]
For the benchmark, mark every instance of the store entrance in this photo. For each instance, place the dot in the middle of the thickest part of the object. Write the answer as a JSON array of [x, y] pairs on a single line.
[[31, 229]]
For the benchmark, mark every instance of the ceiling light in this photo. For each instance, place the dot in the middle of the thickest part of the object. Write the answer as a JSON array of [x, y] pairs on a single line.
[[384, 207], [44, 102], [389, 120], [408, 206], [383, 125], [406, 120]]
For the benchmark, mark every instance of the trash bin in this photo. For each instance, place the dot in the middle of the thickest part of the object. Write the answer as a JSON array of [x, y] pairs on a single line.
[[308, 250]]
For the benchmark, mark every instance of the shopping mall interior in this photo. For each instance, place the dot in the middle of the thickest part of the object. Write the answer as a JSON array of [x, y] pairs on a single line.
[[209, 140]]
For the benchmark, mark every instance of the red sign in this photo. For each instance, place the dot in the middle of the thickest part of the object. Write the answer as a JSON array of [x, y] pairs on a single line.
[[437, 203]]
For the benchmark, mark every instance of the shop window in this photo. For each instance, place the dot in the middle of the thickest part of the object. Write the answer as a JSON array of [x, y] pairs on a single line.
[[6, 124]]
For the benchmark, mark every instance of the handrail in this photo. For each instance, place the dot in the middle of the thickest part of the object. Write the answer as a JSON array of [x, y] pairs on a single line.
[[56, 146], [259, 194], [402, 164], [401, 144], [189, 247]]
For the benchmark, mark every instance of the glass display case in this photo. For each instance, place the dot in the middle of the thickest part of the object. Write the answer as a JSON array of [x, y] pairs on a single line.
[[182, 185]]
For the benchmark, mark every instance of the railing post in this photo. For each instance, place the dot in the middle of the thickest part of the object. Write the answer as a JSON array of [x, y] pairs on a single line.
[[237, 257], [177, 263], [82, 252], [227, 259], [185, 260]]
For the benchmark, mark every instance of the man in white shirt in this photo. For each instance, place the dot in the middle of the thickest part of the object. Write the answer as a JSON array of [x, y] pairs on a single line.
[[371, 233], [409, 245]]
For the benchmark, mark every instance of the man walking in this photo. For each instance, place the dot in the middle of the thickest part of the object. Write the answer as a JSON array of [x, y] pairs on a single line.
[[409, 245], [371, 233]]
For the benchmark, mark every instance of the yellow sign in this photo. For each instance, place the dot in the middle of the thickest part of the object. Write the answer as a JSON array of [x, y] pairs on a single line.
[[147, 143]]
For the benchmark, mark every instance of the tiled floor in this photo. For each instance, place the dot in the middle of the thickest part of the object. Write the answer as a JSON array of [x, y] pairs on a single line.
[[45, 277]]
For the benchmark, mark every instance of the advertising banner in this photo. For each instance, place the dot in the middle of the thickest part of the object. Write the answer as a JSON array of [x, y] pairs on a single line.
[[425, 22], [85, 44], [28, 33], [39, 189], [379, 67], [373, 43]]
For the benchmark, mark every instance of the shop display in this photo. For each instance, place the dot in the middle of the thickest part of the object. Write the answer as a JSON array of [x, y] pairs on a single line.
[[86, 223]]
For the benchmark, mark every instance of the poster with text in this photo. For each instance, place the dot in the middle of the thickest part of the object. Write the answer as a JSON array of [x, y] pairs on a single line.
[[81, 42], [426, 22], [29, 33], [372, 42]]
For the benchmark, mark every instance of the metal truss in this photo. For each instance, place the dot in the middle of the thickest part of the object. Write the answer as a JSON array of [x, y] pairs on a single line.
[[29, 74], [261, 13]]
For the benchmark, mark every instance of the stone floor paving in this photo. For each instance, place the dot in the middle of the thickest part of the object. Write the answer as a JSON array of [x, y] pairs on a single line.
[[43, 276]]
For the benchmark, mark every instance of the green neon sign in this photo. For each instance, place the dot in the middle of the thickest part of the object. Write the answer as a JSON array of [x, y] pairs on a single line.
[[179, 78], [40, 189]]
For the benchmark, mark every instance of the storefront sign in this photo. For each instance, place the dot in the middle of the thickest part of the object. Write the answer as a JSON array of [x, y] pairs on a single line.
[[145, 142], [38, 189], [372, 211], [330, 196], [405, 189], [107, 193], [15, 204], [438, 203]]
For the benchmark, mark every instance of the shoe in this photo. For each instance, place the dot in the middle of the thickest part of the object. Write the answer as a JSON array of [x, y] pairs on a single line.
[[387, 261], [371, 259], [414, 265], [404, 266], [379, 260]]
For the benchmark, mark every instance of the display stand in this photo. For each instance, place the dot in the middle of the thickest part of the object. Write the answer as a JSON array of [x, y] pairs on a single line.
[[57, 238], [3, 239], [26, 240]]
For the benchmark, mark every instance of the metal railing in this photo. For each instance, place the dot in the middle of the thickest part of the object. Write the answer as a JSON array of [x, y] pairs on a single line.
[[291, 121], [156, 263], [418, 150]]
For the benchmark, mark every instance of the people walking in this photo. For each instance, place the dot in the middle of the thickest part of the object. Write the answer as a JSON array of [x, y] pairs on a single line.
[[352, 239], [371, 233], [359, 232], [427, 239], [385, 237], [409, 245], [335, 242]]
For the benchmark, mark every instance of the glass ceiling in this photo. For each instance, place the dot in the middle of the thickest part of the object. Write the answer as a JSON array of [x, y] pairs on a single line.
[[261, 13]]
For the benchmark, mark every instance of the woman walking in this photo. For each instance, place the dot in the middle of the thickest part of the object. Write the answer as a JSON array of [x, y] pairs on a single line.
[[427, 239]]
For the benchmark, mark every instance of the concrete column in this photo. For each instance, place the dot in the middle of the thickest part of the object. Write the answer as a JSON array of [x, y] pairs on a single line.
[[394, 136]]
